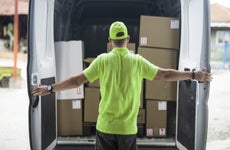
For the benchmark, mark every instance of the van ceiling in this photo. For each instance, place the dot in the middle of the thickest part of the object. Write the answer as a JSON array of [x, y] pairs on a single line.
[[89, 20]]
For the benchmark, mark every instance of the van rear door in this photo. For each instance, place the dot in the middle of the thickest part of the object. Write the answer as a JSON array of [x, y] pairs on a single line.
[[192, 108], [41, 70]]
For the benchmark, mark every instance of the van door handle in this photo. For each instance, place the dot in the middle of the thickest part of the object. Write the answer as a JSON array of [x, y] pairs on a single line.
[[36, 101], [34, 79], [34, 82]]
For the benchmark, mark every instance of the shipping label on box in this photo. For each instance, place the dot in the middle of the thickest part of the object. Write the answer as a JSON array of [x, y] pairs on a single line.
[[174, 24], [162, 131], [162, 105], [69, 62], [76, 104], [149, 132], [144, 41]]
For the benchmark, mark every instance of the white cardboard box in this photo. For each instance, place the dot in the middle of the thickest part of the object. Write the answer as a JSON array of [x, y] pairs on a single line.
[[69, 59]]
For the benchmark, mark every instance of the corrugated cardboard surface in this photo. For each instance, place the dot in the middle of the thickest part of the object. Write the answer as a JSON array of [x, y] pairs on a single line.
[[69, 117], [141, 116], [140, 131], [142, 96], [162, 90], [89, 129], [91, 104], [87, 62], [69, 58], [130, 46], [156, 118], [96, 83], [160, 32], [164, 58]]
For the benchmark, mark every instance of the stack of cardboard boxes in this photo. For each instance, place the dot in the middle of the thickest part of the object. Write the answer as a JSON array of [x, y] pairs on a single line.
[[159, 43], [91, 102], [69, 57]]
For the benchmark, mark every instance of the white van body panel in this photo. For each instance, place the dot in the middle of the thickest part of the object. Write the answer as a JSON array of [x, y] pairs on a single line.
[[193, 19], [194, 54], [44, 59]]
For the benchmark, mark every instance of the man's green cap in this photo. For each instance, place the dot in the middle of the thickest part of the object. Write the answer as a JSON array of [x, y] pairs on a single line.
[[118, 30]]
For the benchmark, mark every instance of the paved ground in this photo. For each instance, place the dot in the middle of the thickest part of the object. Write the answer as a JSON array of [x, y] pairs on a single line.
[[14, 103], [219, 112], [14, 113]]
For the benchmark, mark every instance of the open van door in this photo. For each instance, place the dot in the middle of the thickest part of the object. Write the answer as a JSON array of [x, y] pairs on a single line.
[[192, 108], [41, 70]]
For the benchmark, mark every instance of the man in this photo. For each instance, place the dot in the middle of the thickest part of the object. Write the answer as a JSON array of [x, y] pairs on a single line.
[[121, 74]]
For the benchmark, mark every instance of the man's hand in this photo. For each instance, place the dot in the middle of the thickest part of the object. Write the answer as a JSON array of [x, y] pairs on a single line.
[[70, 83], [175, 75], [203, 76], [40, 90]]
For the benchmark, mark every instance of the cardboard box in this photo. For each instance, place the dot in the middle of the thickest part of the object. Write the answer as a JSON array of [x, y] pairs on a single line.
[[160, 32], [164, 58], [156, 118], [86, 63], [161, 90], [141, 116], [140, 131], [69, 117], [69, 57], [96, 83], [89, 129], [91, 104], [142, 96], [130, 46]]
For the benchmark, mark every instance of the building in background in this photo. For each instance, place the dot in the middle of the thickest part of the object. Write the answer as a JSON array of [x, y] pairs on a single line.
[[6, 24], [220, 33]]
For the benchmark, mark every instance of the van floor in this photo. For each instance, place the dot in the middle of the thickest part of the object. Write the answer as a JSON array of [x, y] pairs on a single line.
[[87, 143], [88, 147]]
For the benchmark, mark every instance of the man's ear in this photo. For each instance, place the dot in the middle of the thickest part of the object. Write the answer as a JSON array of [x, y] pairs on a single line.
[[128, 38], [109, 40]]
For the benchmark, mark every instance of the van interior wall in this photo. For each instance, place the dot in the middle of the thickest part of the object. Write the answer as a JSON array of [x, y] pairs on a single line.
[[89, 20]]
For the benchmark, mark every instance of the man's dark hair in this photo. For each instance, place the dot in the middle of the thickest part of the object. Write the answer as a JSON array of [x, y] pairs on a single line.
[[119, 43]]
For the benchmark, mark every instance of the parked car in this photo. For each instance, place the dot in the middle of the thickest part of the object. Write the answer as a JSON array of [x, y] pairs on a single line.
[[89, 21]]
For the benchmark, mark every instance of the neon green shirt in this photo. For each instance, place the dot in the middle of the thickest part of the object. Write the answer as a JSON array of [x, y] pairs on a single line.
[[121, 74]]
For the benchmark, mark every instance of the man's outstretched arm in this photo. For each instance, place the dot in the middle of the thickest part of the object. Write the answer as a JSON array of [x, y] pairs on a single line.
[[72, 82], [175, 75]]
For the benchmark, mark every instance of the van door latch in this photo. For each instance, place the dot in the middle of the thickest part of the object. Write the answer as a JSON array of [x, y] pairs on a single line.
[[34, 79]]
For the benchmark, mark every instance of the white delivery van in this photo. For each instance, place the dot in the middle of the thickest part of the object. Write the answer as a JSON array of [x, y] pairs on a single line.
[[52, 21]]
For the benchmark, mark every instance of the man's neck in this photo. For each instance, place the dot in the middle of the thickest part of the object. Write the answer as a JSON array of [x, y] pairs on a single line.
[[115, 46]]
